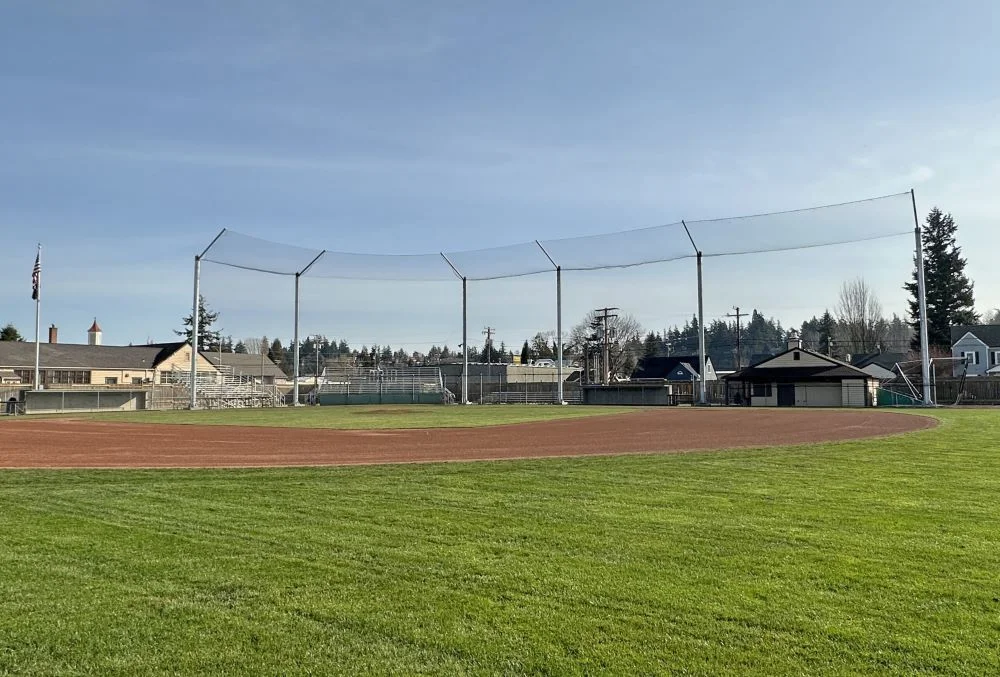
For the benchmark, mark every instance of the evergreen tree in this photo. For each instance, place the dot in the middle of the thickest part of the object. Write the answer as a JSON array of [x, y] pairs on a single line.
[[650, 345], [827, 328], [207, 338], [240, 348], [276, 353], [525, 353], [10, 333], [949, 291]]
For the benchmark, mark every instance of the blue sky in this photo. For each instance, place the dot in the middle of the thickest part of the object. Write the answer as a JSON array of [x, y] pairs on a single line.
[[134, 131]]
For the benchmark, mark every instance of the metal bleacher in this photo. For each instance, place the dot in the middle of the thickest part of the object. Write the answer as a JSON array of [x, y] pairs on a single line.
[[224, 389]]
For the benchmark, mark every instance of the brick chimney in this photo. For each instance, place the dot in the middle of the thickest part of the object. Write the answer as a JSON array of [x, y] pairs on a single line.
[[53, 334]]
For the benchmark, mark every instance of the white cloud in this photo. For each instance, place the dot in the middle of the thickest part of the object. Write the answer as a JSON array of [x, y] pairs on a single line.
[[921, 174]]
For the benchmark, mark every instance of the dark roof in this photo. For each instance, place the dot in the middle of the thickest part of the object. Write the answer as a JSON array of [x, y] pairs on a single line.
[[833, 371], [666, 367], [987, 333], [884, 360], [21, 355], [822, 373], [245, 363]]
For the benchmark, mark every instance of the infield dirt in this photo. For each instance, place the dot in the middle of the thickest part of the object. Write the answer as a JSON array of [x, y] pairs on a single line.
[[63, 443]]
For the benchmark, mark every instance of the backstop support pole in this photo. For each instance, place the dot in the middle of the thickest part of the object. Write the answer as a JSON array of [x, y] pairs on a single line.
[[296, 371], [925, 356], [465, 341], [295, 351], [194, 332], [559, 341], [703, 395], [196, 316]]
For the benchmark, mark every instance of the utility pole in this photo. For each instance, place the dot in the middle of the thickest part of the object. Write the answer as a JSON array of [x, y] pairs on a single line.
[[488, 333], [739, 352], [605, 314], [316, 375]]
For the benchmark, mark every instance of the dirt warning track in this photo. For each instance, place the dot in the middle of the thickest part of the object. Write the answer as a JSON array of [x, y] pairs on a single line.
[[94, 444]]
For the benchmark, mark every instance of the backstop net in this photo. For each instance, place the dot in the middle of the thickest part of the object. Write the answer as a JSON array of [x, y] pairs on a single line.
[[763, 274]]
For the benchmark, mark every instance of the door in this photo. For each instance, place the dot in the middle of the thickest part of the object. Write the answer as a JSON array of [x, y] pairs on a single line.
[[786, 395]]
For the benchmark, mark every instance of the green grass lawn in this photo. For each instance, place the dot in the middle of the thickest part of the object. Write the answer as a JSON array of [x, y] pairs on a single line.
[[861, 557], [360, 417]]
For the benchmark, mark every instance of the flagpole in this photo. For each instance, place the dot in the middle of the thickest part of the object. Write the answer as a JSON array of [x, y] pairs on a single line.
[[38, 307]]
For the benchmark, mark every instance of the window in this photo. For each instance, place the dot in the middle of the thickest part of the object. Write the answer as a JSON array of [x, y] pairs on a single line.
[[971, 357], [110, 380], [762, 389], [796, 355], [994, 358], [137, 380]]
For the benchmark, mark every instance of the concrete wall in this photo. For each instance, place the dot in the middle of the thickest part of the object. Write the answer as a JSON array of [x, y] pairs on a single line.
[[51, 401]]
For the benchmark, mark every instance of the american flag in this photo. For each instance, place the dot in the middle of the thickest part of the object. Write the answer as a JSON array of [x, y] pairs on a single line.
[[36, 275]]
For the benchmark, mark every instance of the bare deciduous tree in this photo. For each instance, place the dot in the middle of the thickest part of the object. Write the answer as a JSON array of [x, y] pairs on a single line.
[[992, 316], [254, 346], [624, 338], [859, 313]]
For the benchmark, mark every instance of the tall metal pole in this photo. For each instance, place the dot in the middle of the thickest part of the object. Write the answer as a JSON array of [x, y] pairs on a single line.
[[465, 341], [922, 292], [38, 315], [703, 396], [465, 329], [559, 341], [295, 351], [194, 332], [195, 316]]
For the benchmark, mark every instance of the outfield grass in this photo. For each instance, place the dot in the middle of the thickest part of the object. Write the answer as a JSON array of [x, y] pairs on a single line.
[[361, 417], [861, 557]]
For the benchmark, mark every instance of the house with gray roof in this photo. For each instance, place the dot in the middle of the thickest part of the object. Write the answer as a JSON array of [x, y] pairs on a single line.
[[978, 346]]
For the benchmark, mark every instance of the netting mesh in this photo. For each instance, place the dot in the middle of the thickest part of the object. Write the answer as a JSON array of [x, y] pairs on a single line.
[[859, 221], [791, 267], [498, 262], [621, 250], [805, 228], [252, 253], [414, 267]]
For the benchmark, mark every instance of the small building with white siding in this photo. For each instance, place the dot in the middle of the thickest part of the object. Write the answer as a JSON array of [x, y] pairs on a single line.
[[800, 377]]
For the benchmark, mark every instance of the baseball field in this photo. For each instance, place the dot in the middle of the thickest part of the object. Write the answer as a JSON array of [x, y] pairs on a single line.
[[347, 540]]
